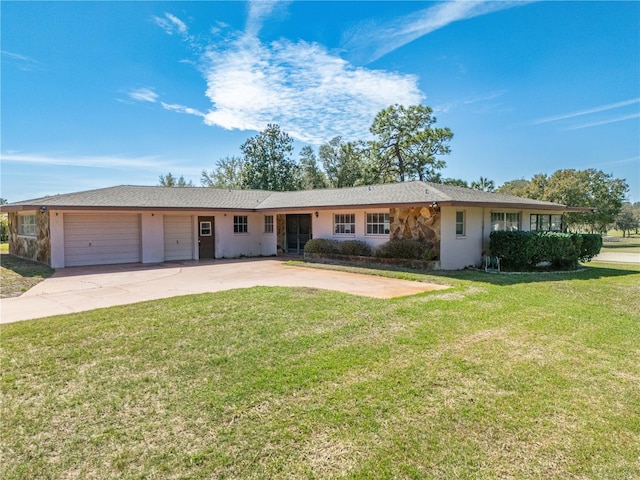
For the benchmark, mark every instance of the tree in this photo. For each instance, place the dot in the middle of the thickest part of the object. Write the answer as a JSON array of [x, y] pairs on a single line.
[[517, 188], [455, 182], [591, 189], [171, 181], [346, 164], [312, 175], [406, 143], [627, 220], [483, 184], [3, 201], [268, 162], [229, 172]]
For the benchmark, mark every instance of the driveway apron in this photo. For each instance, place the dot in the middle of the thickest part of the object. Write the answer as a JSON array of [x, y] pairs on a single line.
[[80, 289]]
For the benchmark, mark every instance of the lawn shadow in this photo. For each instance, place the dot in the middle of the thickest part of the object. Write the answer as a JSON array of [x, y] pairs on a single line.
[[23, 267]]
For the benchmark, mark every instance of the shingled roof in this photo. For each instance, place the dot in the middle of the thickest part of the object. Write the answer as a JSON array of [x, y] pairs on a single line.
[[408, 193]]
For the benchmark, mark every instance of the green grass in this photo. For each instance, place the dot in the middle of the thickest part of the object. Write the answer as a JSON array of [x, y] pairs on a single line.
[[4, 248], [621, 245], [502, 376], [17, 275]]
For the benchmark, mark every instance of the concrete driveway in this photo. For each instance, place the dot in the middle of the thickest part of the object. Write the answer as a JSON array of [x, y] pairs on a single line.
[[79, 289]]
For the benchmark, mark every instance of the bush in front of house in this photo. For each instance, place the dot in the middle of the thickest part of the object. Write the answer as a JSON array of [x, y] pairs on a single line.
[[406, 248], [591, 245], [321, 245], [524, 250], [355, 248]]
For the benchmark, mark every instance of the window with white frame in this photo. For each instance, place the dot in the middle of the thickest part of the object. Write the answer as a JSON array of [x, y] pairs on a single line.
[[240, 224], [545, 223], [505, 221], [377, 224], [460, 224], [27, 225], [344, 223], [268, 224]]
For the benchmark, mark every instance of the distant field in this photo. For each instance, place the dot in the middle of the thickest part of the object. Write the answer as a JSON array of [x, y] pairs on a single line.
[[613, 242], [533, 376]]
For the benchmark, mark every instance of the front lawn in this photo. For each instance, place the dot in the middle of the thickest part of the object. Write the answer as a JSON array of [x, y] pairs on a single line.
[[503, 376], [17, 275]]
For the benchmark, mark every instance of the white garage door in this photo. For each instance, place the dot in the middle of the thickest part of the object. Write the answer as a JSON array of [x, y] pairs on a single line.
[[178, 238], [101, 239]]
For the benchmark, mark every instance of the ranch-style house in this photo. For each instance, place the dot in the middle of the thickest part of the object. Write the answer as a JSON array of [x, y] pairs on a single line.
[[130, 224]]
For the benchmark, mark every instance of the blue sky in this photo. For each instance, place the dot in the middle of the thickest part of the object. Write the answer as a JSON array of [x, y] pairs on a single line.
[[96, 94]]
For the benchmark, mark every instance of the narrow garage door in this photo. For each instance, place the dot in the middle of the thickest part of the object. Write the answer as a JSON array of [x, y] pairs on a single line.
[[178, 237], [101, 239]]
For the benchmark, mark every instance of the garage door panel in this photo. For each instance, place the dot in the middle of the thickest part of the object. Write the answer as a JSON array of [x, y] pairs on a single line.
[[102, 239], [178, 237]]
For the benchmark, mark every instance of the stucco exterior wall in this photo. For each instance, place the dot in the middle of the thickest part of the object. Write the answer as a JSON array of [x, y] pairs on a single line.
[[322, 226], [253, 243], [457, 252], [36, 248]]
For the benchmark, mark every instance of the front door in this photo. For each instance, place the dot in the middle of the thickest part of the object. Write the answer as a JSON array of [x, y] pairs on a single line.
[[298, 232], [205, 237]]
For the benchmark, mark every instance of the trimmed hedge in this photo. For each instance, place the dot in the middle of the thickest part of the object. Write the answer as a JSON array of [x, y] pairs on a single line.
[[524, 250], [321, 245], [355, 248], [407, 249]]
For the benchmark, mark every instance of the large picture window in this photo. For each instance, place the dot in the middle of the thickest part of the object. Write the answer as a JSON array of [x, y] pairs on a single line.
[[377, 224], [344, 223], [240, 224], [27, 225], [546, 223], [505, 221]]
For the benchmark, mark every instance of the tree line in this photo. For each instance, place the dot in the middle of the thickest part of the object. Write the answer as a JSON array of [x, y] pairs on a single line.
[[406, 145]]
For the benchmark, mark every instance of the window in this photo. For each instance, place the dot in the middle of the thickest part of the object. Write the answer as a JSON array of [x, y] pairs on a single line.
[[268, 224], [377, 224], [546, 223], [344, 223], [27, 225], [205, 229], [240, 224], [505, 221], [460, 227]]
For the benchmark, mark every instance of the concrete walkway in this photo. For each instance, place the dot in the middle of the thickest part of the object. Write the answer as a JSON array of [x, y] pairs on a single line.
[[618, 257], [79, 289]]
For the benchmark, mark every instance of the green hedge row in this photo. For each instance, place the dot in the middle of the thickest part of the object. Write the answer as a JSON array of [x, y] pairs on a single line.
[[406, 249], [524, 250]]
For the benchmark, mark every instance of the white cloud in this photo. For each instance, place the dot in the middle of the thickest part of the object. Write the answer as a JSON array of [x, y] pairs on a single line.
[[122, 162], [579, 113], [312, 94], [173, 107], [171, 24], [144, 95], [604, 122], [371, 41], [23, 62], [258, 11]]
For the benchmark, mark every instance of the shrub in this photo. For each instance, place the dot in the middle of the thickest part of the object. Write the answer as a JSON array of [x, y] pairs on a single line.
[[355, 247], [524, 250], [591, 245], [406, 248], [321, 245], [4, 230]]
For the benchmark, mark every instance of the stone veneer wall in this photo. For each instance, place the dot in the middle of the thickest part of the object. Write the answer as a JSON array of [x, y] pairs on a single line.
[[36, 248], [419, 223], [281, 228]]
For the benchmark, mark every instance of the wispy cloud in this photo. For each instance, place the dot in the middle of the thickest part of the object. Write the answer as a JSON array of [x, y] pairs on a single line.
[[259, 10], [117, 161], [311, 93], [171, 24], [144, 94], [23, 62], [604, 122], [579, 113], [372, 40]]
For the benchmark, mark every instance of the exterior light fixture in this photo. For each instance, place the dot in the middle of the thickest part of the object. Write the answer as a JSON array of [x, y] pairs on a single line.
[[316, 214], [43, 209]]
